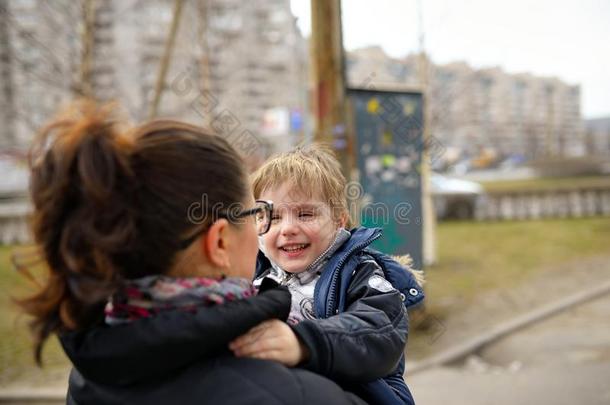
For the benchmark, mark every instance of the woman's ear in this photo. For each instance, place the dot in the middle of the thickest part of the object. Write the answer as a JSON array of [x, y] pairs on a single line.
[[215, 243]]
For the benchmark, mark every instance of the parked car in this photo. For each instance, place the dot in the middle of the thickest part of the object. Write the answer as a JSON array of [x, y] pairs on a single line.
[[455, 198]]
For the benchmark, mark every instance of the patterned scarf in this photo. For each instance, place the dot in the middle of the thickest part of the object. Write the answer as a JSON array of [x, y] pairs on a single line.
[[148, 296]]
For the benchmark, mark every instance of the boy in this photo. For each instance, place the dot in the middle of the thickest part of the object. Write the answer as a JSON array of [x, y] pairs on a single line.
[[347, 321]]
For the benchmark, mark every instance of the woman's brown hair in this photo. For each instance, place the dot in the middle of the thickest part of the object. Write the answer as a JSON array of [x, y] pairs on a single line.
[[113, 204]]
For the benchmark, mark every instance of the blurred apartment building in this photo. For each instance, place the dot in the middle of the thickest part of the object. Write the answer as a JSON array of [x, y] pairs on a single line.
[[236, 66], [474, 109], [598, 136]]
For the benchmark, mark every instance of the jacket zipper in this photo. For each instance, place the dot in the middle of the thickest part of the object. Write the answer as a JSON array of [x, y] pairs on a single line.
[[333, 282]]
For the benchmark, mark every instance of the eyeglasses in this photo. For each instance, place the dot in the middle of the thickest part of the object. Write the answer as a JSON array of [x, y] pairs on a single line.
[[262, 211]]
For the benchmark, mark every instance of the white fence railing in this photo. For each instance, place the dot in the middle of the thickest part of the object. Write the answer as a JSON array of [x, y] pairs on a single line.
[[560, 203]]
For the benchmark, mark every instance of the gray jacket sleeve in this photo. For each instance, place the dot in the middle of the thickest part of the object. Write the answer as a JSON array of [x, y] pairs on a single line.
[[367, 340]]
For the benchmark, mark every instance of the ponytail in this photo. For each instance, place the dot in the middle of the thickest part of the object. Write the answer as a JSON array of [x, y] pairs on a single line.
[[83, 217]]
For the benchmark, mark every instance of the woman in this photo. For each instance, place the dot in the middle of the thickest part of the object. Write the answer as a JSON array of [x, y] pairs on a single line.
[[161, 220]]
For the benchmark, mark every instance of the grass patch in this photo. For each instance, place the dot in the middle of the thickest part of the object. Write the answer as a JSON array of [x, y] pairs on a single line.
[[16, 355], [548, 183], [477, 256]]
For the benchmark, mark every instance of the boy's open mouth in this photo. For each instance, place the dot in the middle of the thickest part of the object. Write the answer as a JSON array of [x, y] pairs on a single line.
[[294, 248]]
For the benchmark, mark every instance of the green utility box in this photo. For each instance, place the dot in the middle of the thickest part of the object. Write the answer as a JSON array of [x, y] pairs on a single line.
[[388, 147]]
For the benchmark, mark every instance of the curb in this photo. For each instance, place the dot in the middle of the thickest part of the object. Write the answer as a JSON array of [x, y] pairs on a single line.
[[475, 344], [33, 395]]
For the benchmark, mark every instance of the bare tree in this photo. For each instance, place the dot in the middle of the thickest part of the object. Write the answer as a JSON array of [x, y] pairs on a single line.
[[205, 51], [165, 60], [87, 41], [7, 102]]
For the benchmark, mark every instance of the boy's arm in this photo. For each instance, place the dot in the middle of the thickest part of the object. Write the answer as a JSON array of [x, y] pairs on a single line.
[[367, 340]]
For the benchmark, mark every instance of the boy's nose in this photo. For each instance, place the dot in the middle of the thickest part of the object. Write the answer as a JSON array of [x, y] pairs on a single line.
[[288, 227]]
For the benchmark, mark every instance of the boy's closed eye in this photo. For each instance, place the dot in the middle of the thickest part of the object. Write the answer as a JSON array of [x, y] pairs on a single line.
[[275, 219], [304, 215], [307, 215]]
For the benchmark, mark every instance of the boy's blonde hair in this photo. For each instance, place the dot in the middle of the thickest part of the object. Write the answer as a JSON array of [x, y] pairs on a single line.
[[312, 170]]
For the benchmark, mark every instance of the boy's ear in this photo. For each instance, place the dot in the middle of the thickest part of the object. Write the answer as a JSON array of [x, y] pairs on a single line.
[[215, 244], [343, 219]]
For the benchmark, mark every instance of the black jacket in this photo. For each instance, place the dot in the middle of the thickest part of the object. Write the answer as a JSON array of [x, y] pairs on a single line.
[[182, 358]]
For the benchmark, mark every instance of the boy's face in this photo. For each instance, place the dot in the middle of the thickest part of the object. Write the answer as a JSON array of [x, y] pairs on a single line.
[[301, 228]]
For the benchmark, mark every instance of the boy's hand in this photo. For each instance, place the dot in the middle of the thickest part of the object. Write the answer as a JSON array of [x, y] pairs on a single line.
[[270, 340]]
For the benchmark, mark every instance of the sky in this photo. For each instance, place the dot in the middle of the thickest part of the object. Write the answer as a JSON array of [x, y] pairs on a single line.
[[565, 39]]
